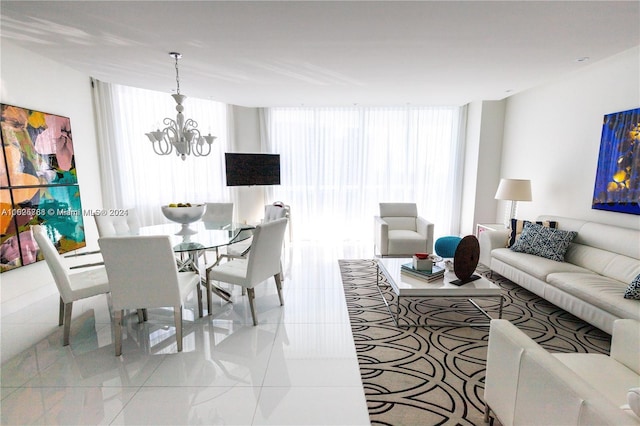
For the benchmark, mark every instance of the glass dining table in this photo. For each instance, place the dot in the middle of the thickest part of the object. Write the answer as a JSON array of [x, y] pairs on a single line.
[[206, 236]]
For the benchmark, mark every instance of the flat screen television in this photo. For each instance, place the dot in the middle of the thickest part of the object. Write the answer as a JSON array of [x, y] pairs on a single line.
[[252, 169]]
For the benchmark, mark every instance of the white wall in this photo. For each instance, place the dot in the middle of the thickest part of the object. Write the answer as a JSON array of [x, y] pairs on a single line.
[[471, 161], [483, 147], [34, 82], [249, 201], [552, 136]]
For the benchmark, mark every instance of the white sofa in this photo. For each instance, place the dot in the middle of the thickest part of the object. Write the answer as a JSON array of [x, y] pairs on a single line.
[[526, 385], [599, 265]]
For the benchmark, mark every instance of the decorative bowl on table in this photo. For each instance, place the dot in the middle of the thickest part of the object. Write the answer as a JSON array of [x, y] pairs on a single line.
[[185, 214]]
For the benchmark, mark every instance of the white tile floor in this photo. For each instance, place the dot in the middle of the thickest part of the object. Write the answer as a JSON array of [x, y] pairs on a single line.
[[297, 367]]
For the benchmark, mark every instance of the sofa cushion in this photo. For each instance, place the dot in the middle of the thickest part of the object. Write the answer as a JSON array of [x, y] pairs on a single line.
[[603, 262], [605, 374], [536, 266], [597, 290], [517, 225], [633, 291], [406, 242], [546, 242]]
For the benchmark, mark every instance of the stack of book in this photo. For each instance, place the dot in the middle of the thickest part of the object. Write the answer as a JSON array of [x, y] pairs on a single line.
[[436, 272]]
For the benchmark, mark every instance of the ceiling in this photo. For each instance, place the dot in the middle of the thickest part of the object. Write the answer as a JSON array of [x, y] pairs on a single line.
[[326, 53]]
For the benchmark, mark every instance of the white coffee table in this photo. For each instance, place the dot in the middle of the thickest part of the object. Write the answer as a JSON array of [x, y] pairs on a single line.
[[406, 286]]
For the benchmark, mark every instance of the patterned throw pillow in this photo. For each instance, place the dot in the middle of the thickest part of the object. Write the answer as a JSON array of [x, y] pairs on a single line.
[[545, 242], [633, 291], [517, 225]]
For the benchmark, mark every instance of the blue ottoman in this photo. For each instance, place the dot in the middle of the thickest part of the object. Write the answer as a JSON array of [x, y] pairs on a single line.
[[446, 246]]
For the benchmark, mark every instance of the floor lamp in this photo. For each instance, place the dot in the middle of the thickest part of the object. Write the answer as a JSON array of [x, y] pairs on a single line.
[[513, 190]]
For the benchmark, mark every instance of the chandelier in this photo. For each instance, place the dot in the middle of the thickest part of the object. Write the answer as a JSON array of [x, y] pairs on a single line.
[[180, 134]]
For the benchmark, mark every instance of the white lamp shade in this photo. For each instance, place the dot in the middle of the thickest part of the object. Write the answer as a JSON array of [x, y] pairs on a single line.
[[514, 190]]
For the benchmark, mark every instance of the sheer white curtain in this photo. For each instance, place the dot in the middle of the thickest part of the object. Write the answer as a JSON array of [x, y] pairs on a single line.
[[337, 164], [132, 174]]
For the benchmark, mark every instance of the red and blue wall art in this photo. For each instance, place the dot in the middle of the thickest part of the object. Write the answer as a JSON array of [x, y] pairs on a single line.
[[38, 185], [617, 186]]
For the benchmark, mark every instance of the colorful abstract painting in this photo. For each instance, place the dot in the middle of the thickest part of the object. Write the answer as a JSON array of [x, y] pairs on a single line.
[[38, 185], [617, 186]]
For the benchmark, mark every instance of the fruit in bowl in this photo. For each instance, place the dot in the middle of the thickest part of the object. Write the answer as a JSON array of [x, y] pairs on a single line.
[[184, 213]]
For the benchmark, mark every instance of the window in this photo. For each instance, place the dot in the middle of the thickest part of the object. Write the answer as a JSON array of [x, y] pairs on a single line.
[[133, 175], [337, 164]]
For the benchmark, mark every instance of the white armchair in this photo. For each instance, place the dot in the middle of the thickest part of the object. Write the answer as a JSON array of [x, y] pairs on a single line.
[[526, 385], [400, 232]]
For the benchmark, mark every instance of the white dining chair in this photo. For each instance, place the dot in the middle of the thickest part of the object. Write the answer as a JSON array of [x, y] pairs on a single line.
[[72, 286], [218, 215], [262, 262], [143, 274], [110, 225], [240, 249], [271, 212], [121, 225], [125, 223]]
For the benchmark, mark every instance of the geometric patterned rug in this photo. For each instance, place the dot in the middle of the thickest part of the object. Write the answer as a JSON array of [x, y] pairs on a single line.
[[435, 375]]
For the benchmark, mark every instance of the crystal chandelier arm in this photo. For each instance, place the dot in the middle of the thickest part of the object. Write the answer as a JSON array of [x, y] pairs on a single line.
[[171, 134], [162, 148], [199, 149], [174, 137], [169, 122], [191, 124], [159, 144], [192, 135]]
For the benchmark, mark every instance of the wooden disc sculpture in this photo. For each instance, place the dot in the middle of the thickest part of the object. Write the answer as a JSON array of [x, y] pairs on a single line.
[[466, 258]]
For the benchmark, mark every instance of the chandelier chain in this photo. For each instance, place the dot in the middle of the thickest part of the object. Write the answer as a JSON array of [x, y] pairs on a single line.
[[177, 77]]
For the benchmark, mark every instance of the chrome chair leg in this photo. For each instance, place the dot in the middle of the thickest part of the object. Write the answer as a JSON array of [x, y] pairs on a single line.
[[279, 287], [252, 295], [207, 286], [117, 321], [67, 323], [61, 314], [199, 296], [110, 306], [177, 314]]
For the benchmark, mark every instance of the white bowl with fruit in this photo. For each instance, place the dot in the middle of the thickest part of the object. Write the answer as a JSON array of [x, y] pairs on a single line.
[[184, 213]]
